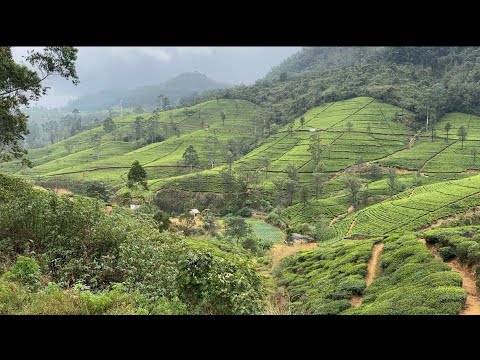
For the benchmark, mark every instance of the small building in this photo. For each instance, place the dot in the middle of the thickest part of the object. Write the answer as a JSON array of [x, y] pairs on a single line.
[[134, 206], [312, 130], [194, 212], [299, 238]]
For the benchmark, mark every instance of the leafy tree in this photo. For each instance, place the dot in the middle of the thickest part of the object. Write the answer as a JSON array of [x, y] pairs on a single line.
[[108, 125], [283, 76], [302, 121], [462, 133], [291, 187], [318, 183], [265, 164], [162, 219], [137, 173], [190, 157], [290, 129], [448, 127], [315, 149], [304, 195], [392, 181], [353, 185], [139, 127], [474, 154], [322, 231], [165, 103], [211, 146], [236, 227], [51, 127], [223, 117], [68, 145], [349, 126], [292, 171], [375, 171], [139, 109], [97, 143], [229, 159]]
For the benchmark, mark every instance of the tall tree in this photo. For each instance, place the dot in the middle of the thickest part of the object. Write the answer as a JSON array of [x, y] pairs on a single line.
[[265, 164], [108, 125], [474, 154], [392, 181], [448, 127], [68, 146], [190, 157], [349, 126], [211, 146], [315, 149], [292, 171], [19, 85], [462, 133], [137, 173], [51, 128], [223, 117], [291, 187], [353, 185], [290, 129], [302, 121], [304, 196]]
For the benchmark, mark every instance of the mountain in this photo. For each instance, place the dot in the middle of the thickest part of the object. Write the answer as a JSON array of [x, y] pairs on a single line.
[[185, 85]]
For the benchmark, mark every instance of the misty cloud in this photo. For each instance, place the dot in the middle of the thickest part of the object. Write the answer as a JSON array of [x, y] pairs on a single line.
[[102, 68]]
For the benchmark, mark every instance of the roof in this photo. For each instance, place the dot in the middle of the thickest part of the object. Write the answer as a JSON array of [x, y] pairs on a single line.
[[194, 211]]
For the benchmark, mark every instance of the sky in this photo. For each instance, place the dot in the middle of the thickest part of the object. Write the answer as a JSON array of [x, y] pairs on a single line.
[[102, 68]]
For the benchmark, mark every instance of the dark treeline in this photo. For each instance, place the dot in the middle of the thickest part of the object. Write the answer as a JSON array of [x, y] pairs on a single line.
[[432, 80]]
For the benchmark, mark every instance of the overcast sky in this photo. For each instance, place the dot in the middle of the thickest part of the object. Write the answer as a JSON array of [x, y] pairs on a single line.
[[128, 67]]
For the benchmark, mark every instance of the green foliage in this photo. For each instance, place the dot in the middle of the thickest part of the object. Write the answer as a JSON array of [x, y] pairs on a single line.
[[245, 212], [447, 252], [162, 219], [137, 172], [237, 227], [25, 271], [412, 282], [321, 281]]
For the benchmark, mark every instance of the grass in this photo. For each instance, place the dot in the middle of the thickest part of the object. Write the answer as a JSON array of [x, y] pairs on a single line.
[[266, 231]]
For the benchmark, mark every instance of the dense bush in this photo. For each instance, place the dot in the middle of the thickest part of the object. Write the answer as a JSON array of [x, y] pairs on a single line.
[[447, 252], [245, 212]]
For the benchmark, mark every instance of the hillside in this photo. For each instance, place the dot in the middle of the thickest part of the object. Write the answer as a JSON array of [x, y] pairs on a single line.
[[118, 149], [185, 85]]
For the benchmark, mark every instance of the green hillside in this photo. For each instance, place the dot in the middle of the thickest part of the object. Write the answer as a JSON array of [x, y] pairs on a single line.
[[161, 159]]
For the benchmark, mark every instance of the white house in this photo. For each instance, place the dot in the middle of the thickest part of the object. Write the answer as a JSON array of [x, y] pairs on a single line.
[[194, 212]]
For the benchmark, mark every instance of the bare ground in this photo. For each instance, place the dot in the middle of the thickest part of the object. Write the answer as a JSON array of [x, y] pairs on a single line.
[[372, 271], [437, 223], [278, 251]]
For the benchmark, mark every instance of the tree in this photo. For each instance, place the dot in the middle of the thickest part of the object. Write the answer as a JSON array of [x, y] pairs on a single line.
[[353, 185], [211, 146], [292, 171], [190, 157], [108, 125], [51, 127], [304, 196], [162, 219], [97, 142], [290, 129], [302, 121], [283, 76], [265, 164], [68, 146], [349, 126], [462, 133], [474, 154], [291, 187], [448, 127], [137, 173], [139, 130], [165, 103], [318, 183], [237, 227], [139, 109], [223, 117], [315, 149], [229, 159], [392, 181], [375, 171]]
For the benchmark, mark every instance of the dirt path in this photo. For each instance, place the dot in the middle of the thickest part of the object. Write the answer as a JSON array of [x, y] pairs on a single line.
[[278, 251], [439, 222], [341, 216], [472, 305], [372, 271]]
